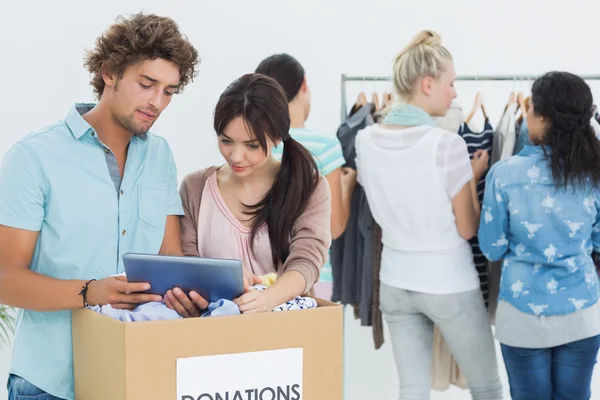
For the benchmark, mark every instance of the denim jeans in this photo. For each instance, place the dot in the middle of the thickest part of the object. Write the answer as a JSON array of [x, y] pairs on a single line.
[[557, 373], [465, 325], [20, 389]]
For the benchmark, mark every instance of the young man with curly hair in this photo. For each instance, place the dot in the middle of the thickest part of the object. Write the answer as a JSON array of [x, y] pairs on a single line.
[[79, 194]]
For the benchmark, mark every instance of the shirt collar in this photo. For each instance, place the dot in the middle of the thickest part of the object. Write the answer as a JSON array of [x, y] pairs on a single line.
[[80, 126], [533, 150]]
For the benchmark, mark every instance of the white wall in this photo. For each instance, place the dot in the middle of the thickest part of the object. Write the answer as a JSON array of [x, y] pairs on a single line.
[[5, 354], [42, 74], [4, 365]]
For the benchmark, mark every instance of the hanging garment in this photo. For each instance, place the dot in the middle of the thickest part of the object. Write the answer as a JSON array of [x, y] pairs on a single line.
[[376, 317], [347, 251], [352, 254], [503, 147], [346, 255], [453, 119], [444, 369], [347, 132], [505, 136], [596, 127], [522, 137], [476, 141]]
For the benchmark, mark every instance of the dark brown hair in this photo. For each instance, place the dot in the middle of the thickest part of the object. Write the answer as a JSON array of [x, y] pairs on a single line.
[[142, 37], [262, 103], [286, 70], [566, 101]]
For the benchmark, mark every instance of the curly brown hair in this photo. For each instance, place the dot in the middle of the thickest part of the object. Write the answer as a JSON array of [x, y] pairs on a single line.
[[141, 37]]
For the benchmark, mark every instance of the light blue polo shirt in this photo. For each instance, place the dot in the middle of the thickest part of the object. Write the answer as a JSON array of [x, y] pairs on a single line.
[[326, 149], [57, 181]]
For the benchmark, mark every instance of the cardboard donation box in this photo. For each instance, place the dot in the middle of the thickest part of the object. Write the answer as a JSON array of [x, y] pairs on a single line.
[[288, 355]]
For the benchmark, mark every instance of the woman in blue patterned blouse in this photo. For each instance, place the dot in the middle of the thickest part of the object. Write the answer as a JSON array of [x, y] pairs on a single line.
[[541, 213]]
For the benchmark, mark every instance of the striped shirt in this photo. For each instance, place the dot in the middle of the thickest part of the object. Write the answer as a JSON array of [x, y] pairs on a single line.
[[326, 149], [476, 141]]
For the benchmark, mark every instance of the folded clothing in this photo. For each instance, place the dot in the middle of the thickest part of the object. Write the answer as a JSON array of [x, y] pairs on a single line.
[[153, 311], [221, 308], [269, 279], [297, 303], [158, 311]]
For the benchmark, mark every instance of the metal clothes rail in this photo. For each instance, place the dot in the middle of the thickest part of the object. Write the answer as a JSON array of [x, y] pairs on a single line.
[[514, 78]]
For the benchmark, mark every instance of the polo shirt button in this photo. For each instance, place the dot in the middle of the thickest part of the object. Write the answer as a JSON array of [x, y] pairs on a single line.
[[122, 192], [123, 232]]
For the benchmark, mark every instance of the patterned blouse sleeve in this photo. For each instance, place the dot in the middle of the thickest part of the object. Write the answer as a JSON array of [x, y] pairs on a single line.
[[493, 226]]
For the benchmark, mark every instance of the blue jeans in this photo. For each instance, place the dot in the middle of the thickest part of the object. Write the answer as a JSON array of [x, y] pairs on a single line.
[[557, 373], [20, 389]]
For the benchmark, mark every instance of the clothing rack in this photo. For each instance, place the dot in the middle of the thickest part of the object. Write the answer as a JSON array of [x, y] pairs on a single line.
[[476, 78]]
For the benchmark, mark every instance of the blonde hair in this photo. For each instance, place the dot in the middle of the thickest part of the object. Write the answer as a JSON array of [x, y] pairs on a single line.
[[424, 56]]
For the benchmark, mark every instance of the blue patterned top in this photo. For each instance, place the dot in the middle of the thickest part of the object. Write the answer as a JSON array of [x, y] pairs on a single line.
[[545, 234]]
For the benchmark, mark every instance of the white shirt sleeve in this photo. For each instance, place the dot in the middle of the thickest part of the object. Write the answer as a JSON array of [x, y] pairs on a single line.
[[454, 164], [595, 127]]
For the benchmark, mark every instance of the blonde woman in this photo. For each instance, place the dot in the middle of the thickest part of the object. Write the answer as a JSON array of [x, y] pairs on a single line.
[[420, 185]]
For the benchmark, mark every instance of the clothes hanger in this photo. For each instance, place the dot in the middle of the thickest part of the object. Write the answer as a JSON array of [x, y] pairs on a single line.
[[485, 114], [389, 99], [527, 100], [361, 100], [376, 106], [387, 96], [478, 104], [512, 97], [520, 99], [522, 104], [375, 100]]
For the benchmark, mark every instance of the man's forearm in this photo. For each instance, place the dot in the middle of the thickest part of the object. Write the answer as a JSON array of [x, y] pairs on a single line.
[[23, 288]]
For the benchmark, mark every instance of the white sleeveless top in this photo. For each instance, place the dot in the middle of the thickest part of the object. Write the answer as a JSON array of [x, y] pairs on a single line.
[[410, 177]]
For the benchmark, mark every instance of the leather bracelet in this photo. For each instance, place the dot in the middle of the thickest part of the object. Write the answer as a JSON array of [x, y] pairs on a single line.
[[83, 292]]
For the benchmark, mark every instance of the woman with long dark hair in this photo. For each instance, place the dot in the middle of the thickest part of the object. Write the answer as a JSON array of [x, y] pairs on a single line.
[[541, 213], [271, 215]]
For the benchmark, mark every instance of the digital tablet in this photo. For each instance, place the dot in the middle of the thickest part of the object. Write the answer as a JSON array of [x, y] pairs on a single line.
[[212, 278]]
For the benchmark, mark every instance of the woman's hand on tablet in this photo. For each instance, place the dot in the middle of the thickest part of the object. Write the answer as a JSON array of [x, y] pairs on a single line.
[[187, 307]]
